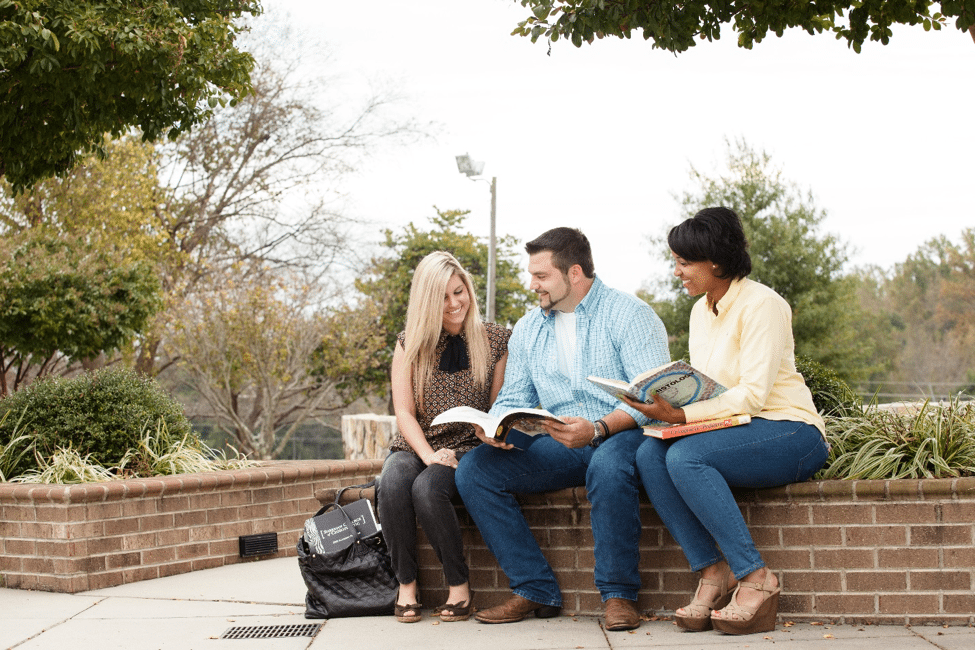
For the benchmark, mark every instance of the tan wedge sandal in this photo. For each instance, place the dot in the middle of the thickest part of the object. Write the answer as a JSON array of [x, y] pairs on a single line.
[[697, 615], [751, 619]]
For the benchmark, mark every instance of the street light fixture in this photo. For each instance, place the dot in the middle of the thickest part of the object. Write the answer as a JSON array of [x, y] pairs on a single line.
[[473, 169]]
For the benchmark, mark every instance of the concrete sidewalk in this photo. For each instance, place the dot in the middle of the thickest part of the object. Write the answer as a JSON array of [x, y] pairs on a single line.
[[192, 611]]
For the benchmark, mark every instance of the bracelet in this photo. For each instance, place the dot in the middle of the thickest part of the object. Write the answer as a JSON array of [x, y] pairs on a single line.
[[605, 427]]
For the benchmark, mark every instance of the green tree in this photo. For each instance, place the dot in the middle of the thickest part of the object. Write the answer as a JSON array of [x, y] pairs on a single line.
[[105, 208], [386, 283], [108, 202], [680, 25], [929, 301], [59, 299], [72, 71], [788, 254]]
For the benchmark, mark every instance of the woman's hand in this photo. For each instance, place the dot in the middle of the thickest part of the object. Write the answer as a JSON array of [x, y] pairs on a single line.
[[441, 457], [660, 409]]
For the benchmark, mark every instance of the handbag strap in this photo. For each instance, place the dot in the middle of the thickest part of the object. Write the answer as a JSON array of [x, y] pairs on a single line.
[[338, 495], [336, 504]]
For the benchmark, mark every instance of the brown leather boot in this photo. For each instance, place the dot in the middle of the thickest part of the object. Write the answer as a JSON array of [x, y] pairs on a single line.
[[621, 614], [515, 609]]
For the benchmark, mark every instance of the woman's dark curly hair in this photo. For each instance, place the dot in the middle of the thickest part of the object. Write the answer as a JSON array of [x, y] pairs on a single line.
[[715, 235]]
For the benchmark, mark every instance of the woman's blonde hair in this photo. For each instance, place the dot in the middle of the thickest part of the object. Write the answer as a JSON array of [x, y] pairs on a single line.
[[424, 321]]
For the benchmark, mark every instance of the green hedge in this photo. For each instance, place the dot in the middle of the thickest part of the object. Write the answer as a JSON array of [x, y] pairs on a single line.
[[103, 413], [831, 395]]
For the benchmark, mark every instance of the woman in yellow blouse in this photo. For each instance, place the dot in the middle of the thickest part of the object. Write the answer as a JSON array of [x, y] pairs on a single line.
[[740, 335]]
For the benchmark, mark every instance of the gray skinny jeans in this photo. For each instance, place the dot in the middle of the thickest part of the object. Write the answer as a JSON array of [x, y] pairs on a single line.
[[410, 492]]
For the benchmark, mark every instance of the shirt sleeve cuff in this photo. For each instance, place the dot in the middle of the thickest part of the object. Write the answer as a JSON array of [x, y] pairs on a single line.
[[638, 417]]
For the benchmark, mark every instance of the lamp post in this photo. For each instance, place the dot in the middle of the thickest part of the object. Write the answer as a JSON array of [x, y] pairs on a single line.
[[472, 169]]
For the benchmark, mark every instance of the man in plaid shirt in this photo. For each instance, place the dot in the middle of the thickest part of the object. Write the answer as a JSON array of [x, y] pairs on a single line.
[[581, 328]]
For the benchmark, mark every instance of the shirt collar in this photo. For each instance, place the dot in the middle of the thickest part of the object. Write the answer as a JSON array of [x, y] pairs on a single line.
[[728, 299], [587, 304]]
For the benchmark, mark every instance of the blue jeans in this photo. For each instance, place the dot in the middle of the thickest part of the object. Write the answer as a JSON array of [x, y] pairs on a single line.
[[689, 482], [409, 492], [488, 478]]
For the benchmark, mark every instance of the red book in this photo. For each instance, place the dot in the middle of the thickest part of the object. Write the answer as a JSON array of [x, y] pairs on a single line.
[[666, 431]]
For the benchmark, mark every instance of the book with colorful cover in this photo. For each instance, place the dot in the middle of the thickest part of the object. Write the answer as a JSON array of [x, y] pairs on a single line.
[[677, 382], [667, 431]]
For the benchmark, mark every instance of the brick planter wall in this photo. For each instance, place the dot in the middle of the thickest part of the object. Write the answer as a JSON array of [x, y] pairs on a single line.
[[898, 552], [856, 552], [79, 537]]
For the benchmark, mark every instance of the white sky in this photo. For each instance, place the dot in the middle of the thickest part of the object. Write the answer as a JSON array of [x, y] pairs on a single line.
[[603, 137]]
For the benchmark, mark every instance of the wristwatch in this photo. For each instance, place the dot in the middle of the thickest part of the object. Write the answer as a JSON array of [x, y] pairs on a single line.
[[597, 437]]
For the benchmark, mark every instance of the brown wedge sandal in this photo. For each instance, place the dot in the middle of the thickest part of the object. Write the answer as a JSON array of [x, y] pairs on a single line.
[[450, 613], [751, 619], [697, 615], [399, 611]]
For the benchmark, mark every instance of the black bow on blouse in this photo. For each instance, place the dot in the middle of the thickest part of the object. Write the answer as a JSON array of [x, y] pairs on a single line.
[[454, 357]]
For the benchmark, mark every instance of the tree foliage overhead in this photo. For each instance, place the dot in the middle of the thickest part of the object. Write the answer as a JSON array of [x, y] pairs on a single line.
[[72, 71], [676, 26]]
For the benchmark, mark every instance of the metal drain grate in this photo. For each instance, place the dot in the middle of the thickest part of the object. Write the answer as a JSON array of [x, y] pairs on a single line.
[[272, 631]]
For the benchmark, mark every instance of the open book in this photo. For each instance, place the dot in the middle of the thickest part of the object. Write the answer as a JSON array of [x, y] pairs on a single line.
[[667, 431], [676, 382], [524, 420]]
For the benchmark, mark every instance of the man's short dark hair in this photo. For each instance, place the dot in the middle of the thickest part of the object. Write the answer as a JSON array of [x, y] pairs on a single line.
[[568, 247], [715, 235]]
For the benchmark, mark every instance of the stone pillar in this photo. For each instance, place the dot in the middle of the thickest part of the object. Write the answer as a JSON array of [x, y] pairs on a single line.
[[367, 436]]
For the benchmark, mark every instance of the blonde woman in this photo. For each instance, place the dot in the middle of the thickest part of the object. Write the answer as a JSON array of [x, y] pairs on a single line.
[[446, 357]]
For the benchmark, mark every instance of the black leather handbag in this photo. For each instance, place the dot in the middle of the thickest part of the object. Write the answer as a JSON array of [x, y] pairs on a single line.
[[355, 581]]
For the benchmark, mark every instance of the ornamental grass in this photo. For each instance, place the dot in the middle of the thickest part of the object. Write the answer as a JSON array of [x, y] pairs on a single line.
[[931, 440]]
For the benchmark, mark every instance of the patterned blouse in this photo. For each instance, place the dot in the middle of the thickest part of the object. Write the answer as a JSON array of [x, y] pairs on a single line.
[[446, 390]]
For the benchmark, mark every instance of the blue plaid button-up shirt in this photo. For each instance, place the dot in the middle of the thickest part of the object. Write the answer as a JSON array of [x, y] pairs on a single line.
[[617, 336]]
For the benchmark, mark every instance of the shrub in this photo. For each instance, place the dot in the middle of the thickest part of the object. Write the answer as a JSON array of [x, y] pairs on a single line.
[[100, 415], [14, 452], [932, 441], [831, 395]]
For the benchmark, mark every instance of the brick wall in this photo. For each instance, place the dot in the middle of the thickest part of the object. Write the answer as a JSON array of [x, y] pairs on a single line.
[[857, 552], [79, 537], [846, 551]]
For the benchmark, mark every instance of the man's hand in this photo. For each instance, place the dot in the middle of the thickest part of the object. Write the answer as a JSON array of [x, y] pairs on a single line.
[[575, 433], [494, 442]]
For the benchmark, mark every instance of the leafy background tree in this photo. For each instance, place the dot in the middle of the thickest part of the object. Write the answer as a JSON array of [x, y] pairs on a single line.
[[79, 259], [252, 195], [385, 285], [71, 72], [258, 183], [60, 302], [249, 347], [789, 254], [680, 25], [927, 305]]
